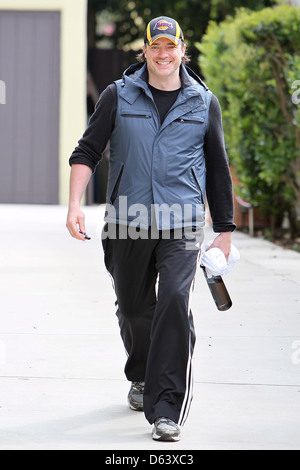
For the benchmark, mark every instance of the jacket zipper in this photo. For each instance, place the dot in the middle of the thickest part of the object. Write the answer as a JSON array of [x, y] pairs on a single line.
[[197, 182]]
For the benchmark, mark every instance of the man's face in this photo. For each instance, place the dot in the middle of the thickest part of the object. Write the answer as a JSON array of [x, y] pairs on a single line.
[[163, 57]]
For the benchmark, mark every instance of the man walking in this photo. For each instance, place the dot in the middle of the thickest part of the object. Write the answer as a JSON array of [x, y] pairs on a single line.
[[166, 152]]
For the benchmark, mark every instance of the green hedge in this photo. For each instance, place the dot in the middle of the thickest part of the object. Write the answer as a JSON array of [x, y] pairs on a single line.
[[252, 63]]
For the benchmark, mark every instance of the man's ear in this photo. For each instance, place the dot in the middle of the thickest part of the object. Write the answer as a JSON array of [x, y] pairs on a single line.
[[183, 49], [144, 50]]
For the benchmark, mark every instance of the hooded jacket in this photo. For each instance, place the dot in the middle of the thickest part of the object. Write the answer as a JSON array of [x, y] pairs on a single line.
[[158, 169]]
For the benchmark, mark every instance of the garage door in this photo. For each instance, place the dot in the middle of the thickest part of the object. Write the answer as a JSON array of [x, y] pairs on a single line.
[[29, 115]]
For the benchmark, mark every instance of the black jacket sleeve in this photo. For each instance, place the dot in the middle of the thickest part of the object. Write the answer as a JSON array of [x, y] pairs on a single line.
[[218, 178], [94, 140]]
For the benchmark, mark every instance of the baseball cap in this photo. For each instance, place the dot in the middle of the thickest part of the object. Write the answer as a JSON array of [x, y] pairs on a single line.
[[163, 27]]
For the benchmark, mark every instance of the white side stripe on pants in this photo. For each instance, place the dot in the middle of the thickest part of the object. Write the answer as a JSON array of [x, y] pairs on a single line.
[[186, 404]]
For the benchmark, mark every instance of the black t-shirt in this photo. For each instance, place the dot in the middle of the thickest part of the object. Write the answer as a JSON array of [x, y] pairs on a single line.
[[218, 179], [164, 100]]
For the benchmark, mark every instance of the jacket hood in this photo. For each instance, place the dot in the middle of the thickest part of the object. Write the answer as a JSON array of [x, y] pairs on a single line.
[[139, 70]]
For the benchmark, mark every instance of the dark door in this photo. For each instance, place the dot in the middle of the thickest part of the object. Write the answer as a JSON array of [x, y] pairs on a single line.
[[29, 119]]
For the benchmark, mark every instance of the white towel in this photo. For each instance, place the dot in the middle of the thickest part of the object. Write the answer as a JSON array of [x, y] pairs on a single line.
[[215, 262]]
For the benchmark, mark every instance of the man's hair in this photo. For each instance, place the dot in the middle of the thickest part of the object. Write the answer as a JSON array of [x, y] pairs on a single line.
[[141, 58]]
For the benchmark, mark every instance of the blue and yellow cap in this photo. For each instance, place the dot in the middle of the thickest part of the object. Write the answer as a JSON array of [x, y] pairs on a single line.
[[163, 27]]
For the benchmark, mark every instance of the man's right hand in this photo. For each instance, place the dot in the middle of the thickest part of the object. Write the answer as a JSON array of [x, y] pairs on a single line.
[[80, 176], [75, 222]]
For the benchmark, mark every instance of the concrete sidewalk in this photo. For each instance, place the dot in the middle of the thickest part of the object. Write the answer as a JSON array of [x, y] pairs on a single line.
[[62, 384]]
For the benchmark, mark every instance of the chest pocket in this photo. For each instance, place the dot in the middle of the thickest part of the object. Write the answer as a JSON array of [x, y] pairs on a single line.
[[139, 114], [193, 119]]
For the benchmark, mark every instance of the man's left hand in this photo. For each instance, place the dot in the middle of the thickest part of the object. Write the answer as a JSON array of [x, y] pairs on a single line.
[[223, 242]]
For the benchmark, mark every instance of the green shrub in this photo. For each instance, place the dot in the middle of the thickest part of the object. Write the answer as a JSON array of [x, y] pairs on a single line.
[[252, 63]]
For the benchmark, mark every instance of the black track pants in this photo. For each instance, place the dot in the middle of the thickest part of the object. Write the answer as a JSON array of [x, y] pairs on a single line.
[[156, 323]]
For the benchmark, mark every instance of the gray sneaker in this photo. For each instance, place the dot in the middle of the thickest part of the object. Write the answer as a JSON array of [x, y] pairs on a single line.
[[136, 396], [165, 430]]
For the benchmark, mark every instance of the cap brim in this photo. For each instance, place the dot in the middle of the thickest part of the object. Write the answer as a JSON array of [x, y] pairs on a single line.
[[174, 40]]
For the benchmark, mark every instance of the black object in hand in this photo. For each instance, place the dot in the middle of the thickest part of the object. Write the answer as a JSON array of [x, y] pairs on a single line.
[[85, 235]]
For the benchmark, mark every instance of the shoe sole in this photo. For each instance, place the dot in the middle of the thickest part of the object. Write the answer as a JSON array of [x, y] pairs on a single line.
[[165, 437], [134, 408]]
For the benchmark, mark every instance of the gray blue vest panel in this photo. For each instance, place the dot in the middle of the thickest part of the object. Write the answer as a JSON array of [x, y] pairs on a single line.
[[158, 170]]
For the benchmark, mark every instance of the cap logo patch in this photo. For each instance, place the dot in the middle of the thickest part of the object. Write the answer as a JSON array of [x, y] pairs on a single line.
[[163, 25]]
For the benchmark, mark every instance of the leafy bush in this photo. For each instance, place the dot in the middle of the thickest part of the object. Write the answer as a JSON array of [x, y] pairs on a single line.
[[252, 63]]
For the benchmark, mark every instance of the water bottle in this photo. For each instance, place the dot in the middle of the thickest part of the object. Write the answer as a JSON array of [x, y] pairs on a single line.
[[218, 291]]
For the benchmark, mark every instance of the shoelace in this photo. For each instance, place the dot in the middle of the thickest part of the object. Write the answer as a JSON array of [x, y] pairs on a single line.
[[167, 421], [138, 386]]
